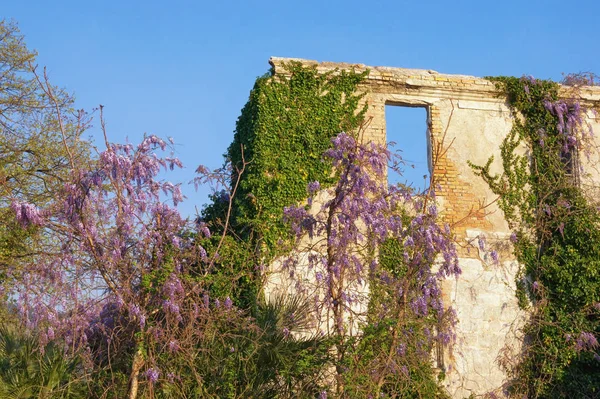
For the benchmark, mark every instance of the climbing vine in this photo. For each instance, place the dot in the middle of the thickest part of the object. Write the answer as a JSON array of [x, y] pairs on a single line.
[[283, 131], [556, 231]]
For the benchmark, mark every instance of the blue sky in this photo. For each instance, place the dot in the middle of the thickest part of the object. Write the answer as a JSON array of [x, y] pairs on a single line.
[[184, 68]]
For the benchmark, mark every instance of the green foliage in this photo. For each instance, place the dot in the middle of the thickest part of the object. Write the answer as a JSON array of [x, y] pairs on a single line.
[[33, 157], [30, 371], [280, 138], [283, 131], [413, 378], [233, 275], [557, 231], [238, 359]]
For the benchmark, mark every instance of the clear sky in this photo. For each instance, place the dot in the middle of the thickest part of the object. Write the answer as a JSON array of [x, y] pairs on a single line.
[[184, 68]]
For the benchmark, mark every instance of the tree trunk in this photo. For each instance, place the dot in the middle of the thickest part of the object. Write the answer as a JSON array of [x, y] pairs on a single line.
[[138, 362]]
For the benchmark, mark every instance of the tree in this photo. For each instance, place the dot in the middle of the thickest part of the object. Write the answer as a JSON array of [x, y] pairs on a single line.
[[38, 128], [129, 292]]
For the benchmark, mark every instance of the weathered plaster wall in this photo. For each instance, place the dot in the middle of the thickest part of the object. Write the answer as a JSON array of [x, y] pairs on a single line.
[[590, 161], [468, 119]]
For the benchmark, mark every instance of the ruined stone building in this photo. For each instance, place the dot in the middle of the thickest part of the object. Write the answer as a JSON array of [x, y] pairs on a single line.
[[468, 118]]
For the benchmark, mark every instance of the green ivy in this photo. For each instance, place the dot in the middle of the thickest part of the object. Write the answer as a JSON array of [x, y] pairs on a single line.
[[282, 133]]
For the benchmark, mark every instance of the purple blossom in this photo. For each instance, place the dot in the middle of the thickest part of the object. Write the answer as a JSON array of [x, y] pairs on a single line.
[[173, 287], [228, 303], [170, 307], [433, 210], [27, 214], [313, 187], [494, 256], [586, 341], [152, 375], [401, 349], [142, 321], [134, 311], [481, 242], [173, 346], [203, 229], [203, 254]]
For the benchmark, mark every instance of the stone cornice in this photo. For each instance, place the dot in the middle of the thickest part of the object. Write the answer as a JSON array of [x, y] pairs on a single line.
[[428, 83]]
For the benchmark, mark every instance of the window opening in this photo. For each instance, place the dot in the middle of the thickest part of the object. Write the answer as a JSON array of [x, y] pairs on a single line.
[[407, 134]]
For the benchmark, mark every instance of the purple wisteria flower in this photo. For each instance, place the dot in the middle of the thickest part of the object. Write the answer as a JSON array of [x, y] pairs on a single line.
[[228, 303], [586, 341], [173, 346], [314, 187], [27, 214], [494, 256], [481, 242], [152, 375]]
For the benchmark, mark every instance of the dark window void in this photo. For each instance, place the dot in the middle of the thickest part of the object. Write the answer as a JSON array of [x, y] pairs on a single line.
[[570, 160], [406, 129]]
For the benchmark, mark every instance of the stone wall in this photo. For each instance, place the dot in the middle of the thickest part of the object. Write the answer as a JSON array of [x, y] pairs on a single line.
[[467, 121]]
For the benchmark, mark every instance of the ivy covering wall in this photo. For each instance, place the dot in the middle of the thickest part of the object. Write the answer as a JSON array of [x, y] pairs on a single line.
[[556, 239], [283, 131]]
